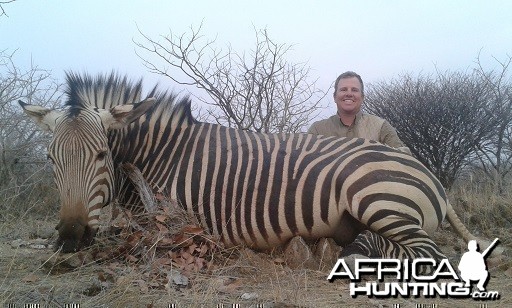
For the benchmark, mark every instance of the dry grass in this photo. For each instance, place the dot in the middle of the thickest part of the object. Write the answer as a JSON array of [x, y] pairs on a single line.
[[486, 213], [145, 260]]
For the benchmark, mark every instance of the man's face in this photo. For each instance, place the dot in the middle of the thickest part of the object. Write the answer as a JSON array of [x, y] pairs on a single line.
[[348, 96]]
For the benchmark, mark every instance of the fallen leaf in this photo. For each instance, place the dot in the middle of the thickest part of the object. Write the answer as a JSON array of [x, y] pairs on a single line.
[[230, 285], [188, 257], [182, 240], [191, 249], [161, 218], [131, 258], [192, 229], [162, 228], [134, 238], [163, 261]]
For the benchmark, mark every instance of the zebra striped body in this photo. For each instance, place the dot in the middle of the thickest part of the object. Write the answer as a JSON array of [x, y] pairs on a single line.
[[262, 189]]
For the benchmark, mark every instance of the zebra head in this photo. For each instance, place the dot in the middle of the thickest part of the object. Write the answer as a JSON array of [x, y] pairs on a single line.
[[82, 163]]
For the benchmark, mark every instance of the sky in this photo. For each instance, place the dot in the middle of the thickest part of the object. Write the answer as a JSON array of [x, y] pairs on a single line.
[[377, 39]]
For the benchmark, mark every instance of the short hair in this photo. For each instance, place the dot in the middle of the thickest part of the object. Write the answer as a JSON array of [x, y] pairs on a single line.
[[348, 74]]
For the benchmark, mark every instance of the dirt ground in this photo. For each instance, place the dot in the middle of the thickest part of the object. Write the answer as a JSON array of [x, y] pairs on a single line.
[[31, 273]]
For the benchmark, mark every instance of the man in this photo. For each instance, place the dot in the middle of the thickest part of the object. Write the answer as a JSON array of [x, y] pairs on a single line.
[[350, 121]]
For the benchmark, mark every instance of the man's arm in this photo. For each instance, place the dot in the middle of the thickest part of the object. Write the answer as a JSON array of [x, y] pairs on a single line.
[[389, 136], [313, 129]]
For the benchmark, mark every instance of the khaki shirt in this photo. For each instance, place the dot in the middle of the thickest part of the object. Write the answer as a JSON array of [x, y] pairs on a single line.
[[365, 126]]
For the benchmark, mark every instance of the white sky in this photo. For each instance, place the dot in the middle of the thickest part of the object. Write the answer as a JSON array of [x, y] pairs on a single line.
[[377, 39]]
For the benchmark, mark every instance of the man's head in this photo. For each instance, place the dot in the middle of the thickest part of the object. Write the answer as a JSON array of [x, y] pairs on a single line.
[[348, 93]]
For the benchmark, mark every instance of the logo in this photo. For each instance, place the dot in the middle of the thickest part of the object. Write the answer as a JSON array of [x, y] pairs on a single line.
[[407, 278]]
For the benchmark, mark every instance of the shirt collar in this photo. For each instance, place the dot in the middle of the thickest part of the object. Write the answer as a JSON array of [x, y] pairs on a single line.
[[356, 120]]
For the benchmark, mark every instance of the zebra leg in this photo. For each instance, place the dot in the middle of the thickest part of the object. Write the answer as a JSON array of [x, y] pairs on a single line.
[[415, 245], [411, 243]]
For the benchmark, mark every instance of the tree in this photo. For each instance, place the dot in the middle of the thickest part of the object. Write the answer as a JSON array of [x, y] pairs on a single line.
[[258, 90], [21, 144], [442, 119], [495, 154]]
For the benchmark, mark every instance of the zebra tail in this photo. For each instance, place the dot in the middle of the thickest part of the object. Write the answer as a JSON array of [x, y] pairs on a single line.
[[457, 224], [461, 229]]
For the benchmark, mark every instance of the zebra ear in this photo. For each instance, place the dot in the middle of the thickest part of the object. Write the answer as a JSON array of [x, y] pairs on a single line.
[[45, 118], [122, 115]]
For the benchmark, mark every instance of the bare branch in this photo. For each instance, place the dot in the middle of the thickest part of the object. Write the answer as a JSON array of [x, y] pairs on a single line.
[[2, 10], [254, 90], [20, 143]]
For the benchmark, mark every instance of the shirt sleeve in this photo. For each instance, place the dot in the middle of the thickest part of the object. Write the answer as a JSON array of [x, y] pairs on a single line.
[[313, 129], [389, 136]]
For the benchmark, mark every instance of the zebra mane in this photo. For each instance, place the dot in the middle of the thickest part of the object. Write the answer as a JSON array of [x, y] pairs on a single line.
[[103, 91], [107, 91]]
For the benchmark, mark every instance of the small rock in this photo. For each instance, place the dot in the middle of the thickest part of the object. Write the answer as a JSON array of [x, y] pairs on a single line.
[[298, 254], [499, 263], [327, 252], [37, 246], [39, 243], [177, 278], [247, 296], [45, 233], [508, 272], [19, 243]]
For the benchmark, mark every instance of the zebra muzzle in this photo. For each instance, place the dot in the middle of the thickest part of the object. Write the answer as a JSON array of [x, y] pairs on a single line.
[[73, 236]]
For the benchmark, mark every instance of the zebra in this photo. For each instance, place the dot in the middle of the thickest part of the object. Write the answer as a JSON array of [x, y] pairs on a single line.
[[247, 188]]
